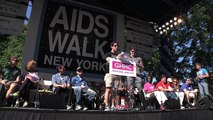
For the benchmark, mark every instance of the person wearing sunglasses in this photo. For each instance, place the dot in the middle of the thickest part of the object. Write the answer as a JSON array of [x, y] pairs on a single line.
[[175, 84], [109, 78], [136, 82]]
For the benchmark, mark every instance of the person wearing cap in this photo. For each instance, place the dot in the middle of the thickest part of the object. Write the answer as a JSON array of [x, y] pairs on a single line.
[[80, 86], [11, 76], [61, 85], [164, 92]]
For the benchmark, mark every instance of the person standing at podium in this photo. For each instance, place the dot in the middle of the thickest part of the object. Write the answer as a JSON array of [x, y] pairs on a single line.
[[135, 82], [109, 78]]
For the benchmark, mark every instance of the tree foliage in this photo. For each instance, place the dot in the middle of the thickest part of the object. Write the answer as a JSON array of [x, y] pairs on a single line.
[[193, 40], [153, 64], [11, 45]]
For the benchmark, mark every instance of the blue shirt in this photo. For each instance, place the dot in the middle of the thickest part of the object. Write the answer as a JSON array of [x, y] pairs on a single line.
[[187, 87], [60, 79], [77, 81], [202, 72]]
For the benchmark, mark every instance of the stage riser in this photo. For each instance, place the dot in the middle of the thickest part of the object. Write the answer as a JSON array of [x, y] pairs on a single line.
[[30, 114]]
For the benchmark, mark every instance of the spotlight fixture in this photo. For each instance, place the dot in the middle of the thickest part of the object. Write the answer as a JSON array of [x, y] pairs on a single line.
[[179, 20], [168, 25]]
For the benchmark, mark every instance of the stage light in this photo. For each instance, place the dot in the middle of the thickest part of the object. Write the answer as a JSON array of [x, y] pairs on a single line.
[[159, 28], [163, 26], [171, 26], [167, 28], [161, 32], [156, 30], [175, 18], [171, 21], [167, 23], [180, 20], [164, 30], [175, 23]]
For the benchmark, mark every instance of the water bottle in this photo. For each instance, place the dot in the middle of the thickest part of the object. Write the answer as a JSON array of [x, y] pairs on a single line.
[[123, 101], [36, 104], [17, 103]]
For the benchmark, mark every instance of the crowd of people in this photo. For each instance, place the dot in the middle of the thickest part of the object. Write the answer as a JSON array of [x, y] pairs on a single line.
[[119, 92]]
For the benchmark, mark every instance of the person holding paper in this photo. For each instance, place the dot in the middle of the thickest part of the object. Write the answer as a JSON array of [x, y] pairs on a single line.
[[202, 79], [135, 82]]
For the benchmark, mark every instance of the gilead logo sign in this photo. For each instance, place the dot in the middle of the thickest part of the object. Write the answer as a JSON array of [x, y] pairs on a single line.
[[118, 67], [75, 35]]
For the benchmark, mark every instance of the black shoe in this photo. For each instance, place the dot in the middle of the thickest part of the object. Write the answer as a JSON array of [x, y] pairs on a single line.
[[189, 105]]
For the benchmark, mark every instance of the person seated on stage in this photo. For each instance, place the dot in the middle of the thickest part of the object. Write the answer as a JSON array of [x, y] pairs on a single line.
[[62, 86], [189, 92], [94, 86], [165, 91], [175, 84], [1, 76], [11, 77], [119, 86], [80, 86], [149, 90], [30, 82]]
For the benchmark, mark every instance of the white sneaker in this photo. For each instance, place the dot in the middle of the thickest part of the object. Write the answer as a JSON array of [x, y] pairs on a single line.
[[182, 107], [78, 107], [68, 107], [25, 104], [85, 108], [193, 104], [107, 108], [113, 107]]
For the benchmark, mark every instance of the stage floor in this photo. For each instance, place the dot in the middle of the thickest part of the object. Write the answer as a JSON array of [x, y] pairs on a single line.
[[8, 113]]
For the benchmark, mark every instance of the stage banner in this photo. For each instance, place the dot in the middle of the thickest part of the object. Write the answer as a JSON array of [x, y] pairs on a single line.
[[75, 35], [122, 67]]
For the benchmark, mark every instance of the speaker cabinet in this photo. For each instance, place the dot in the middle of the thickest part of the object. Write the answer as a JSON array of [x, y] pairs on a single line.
[[52, 101], [172, 104], [203, 103], [2, 95]]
